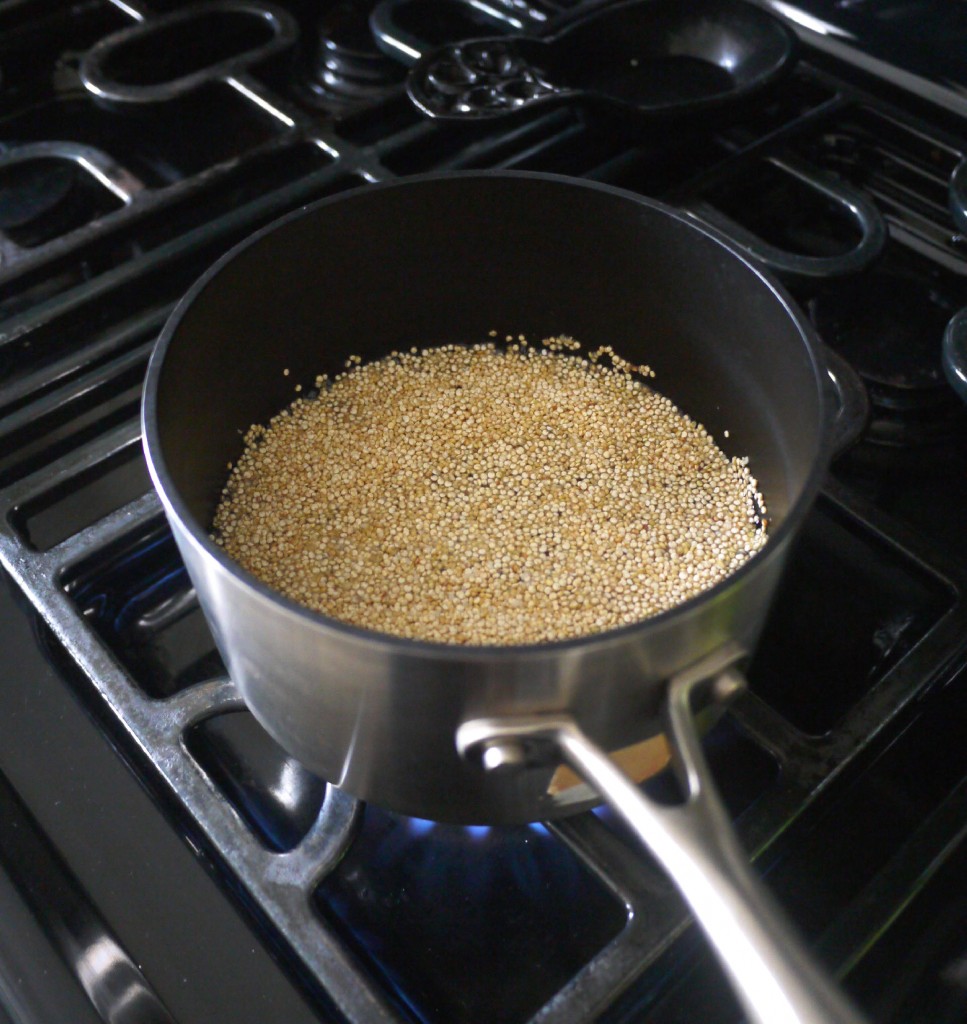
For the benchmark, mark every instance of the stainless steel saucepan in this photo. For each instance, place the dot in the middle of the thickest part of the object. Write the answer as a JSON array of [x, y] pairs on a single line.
[[479, 734]]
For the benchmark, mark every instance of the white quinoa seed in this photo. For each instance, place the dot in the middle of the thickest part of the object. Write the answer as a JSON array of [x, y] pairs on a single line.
[[477, 496]]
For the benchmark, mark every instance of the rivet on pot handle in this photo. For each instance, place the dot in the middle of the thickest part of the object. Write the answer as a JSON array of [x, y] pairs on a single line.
[[772, 974], [954, 355]]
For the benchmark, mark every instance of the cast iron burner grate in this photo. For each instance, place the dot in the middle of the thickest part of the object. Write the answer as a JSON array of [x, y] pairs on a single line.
[[103, 227]]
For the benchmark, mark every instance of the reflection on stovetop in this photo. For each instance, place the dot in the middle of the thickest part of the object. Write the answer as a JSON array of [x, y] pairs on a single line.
[[137, 144]]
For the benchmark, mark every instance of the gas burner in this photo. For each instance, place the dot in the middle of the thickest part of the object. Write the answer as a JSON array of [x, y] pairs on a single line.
[[349, 68], [494, 875], [889, 325]]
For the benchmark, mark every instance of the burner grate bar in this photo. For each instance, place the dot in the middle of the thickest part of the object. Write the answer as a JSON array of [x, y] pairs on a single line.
[[235, 222], [421, 131], [50, 402], [278, 882], [745, 153], [39, 574], [933, 244], [634, 877], [71, 465], [897, 884], [104, 345], [132, 10], [100, 535], [910, 202], [185, 709], [769, 730], [543, 151], [144, 205], [246, 86]]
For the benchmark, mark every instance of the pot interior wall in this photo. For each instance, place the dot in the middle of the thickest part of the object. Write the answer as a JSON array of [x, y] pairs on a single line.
[[449, 260]]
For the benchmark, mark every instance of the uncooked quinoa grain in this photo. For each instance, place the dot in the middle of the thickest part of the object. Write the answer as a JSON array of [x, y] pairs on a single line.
[[488, 495]]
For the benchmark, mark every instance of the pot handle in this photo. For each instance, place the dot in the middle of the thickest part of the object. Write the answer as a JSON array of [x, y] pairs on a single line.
[[770, 970]]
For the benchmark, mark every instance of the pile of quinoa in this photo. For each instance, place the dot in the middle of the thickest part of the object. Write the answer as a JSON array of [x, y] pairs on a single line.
[[491, 494]]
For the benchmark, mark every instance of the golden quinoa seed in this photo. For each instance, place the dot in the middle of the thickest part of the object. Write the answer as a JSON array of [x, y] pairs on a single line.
[[481, 496]]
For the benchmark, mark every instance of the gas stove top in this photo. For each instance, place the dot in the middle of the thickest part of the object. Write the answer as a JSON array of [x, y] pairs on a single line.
[[161, 859]]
